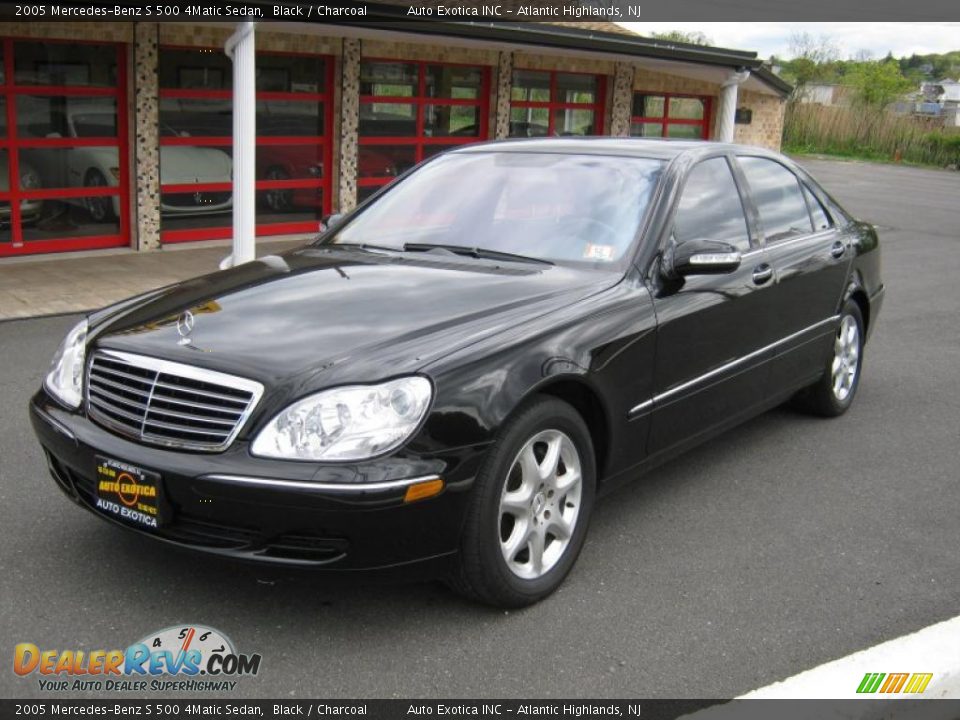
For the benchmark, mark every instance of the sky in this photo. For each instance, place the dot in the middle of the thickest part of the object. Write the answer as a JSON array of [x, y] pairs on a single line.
[[850, 38]]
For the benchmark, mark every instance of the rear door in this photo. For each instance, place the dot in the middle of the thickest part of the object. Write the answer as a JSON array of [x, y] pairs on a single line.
[[711, 359], [810, 260]]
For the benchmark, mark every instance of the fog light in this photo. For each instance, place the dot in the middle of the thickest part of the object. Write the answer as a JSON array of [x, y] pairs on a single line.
[[423, 490]]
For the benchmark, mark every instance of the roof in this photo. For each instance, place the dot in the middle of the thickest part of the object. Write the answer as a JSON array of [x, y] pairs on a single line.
[[599, 37], [607, 27], [662, 149]]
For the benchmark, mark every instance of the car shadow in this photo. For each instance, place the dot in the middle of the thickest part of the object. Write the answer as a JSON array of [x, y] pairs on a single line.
[[310, 593]]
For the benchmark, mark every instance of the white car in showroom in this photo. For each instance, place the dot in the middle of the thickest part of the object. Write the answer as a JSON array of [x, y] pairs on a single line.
[[98, 166]]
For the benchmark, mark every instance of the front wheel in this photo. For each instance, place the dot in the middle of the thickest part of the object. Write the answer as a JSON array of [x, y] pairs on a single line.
[[833, 394], [531, 507]]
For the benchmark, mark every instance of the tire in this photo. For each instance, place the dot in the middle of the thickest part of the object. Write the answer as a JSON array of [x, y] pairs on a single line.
[[99, 208], [520, 511], [833, 393], [278, 200]]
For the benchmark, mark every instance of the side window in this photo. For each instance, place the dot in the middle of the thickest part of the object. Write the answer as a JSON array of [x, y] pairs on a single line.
[[776, 192], [710, 207], [821, 221]]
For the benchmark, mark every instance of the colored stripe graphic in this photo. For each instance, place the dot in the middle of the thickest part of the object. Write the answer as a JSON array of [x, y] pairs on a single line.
[[870, 682], [894, 683], [918, 682]]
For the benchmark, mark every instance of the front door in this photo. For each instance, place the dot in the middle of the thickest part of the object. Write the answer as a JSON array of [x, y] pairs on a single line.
[[713, 330]]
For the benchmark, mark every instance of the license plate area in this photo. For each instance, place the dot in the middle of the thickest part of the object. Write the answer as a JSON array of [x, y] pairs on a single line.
[[130, 493]]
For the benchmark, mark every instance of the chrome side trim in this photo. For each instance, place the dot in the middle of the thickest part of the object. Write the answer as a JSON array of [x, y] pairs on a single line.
[[192, 372], [820, 234], [317, 486], [728, 366], [638, 409]]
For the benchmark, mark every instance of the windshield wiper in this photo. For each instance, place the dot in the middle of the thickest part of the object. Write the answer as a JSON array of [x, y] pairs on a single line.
[[363, 246], [477, 252]]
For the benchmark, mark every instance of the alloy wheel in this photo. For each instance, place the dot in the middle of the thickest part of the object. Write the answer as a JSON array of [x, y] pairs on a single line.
[[540, 504], [846, 357], [97, 206]]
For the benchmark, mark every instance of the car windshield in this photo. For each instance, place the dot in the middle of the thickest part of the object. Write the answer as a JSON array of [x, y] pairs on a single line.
[[548, 206]]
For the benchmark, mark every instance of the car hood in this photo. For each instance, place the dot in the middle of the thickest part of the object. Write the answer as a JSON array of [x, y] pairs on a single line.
[[181, 164], [316, 317]]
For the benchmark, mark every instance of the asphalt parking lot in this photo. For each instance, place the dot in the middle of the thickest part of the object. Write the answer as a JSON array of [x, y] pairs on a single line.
[[787, 543]]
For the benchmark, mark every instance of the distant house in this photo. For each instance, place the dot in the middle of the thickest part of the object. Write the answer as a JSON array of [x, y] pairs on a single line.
[[941, 98], [828, 94]]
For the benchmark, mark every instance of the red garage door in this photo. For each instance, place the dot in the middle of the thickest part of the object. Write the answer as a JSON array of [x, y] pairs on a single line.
[[294, 151], [410, 111], [63, 146]]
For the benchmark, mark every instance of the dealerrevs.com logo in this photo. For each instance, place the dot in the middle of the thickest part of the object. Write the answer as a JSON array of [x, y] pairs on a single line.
[[183, 657]]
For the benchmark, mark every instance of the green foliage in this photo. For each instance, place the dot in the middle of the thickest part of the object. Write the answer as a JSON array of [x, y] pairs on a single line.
[[876, 85], [691, 38]]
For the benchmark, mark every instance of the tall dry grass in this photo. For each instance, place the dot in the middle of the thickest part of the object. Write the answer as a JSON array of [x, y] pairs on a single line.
[[863, 133]]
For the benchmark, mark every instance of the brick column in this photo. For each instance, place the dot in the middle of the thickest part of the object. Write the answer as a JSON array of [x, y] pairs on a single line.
[[349, 123], [504, 88], [621, 110], [147, 132]]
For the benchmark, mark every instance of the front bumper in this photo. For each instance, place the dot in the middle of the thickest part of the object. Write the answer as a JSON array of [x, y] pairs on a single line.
[[349, 517]]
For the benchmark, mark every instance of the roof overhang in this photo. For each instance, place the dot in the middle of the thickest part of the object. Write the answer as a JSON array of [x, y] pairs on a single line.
[[703, 62]]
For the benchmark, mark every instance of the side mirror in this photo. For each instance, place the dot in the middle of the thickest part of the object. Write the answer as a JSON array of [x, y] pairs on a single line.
[[700, 257], [328, 221]]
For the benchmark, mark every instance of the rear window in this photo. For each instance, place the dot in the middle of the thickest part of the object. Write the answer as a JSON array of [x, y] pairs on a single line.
[[776, 192]]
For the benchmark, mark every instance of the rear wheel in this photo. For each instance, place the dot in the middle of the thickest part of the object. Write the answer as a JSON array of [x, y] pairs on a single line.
[[99, 207], [278, 199], [531, 507], [833, 394]]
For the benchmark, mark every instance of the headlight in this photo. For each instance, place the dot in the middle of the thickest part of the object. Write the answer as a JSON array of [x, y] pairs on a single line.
[[65, 378], [355, 422]]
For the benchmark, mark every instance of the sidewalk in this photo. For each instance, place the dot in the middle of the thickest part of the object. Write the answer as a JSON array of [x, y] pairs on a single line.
[[75, 282]]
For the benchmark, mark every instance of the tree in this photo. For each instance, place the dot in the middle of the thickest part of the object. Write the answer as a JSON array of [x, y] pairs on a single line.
[[877, 84], [691, 38], [812, 61]]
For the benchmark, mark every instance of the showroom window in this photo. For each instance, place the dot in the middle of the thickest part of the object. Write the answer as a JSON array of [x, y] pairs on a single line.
[[294, 151], [670, 115], [410, 111], [63, 150], [555, 103]]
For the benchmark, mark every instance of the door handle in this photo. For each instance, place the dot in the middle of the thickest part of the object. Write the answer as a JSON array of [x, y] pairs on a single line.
[[762, 273], [838, 249]]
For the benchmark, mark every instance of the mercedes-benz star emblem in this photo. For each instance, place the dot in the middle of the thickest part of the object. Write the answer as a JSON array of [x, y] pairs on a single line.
[[185, 327]]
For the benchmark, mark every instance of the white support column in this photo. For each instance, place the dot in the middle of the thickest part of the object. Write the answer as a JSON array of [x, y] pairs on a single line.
[[727, 108], [240, 48]]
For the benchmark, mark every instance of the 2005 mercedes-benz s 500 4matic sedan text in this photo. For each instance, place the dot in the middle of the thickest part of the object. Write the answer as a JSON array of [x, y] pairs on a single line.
[[450, 374]]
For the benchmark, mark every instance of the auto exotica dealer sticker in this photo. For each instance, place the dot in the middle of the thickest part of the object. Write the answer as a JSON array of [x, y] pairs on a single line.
[[192, 658]]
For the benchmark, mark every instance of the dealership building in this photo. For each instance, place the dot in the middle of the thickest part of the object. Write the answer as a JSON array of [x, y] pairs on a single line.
[[121, 134]]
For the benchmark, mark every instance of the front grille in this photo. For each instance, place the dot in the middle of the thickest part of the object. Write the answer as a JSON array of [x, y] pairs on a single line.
[[195, 200], [167, 403]]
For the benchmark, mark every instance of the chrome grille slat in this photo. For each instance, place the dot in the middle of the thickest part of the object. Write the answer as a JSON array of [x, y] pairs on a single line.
[[198, 405], [110, 407], [184, 428], [117, 398], [205, 393], [132, 394], [154, 410], [126, 376], [118, 386]]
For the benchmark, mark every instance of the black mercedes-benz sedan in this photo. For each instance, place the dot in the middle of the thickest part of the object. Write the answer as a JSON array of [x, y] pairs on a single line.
[[449, 375]]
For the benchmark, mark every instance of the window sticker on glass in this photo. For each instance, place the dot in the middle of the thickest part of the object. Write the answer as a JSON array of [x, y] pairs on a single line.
[[598, 252]]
